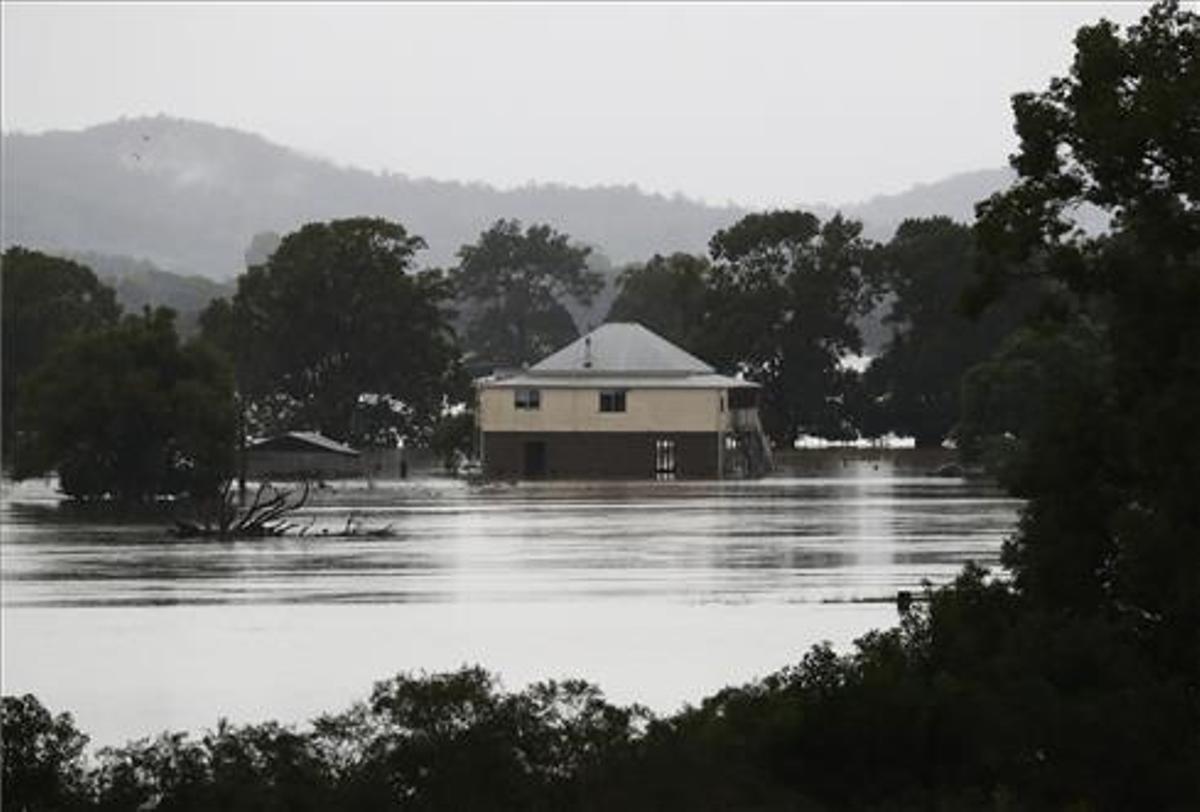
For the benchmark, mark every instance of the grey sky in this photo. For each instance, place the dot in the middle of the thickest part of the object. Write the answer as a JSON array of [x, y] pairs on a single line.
[[761, 105]]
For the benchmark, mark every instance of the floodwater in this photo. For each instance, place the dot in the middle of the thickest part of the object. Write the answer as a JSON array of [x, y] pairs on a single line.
[[660, 593]]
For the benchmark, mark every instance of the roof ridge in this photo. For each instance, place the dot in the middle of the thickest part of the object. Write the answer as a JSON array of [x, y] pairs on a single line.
[[622, 347]]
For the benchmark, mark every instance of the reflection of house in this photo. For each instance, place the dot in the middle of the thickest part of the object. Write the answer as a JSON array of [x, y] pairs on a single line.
[[620, 402], [301, 455]]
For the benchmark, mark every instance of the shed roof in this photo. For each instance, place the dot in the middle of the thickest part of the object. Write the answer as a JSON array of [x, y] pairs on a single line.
[[303, 441], [621, 348]]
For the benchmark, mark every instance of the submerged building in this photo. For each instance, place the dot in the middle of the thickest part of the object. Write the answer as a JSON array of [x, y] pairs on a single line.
[[299, 455], [620, 402]]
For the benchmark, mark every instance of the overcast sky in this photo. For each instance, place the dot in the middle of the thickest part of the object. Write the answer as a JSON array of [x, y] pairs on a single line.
[[760, 105]]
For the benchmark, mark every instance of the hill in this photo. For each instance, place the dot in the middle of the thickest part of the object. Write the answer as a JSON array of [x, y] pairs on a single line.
[[139, 283], [953, 197], [189, 197]]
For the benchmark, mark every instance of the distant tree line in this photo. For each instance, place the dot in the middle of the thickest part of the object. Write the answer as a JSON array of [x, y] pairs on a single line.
[[332, 328]]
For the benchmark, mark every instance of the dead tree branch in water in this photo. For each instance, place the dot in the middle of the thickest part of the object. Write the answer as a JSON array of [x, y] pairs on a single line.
[[222, 517]]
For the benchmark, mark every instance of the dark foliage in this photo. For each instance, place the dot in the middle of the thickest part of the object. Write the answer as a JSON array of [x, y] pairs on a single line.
[[45, 300], [785, 295], [453, 437], [668, 295], [913, 386], [973, 702], [41, 758], [129, 413], [512, 282], [335, 333], [1111, 464]]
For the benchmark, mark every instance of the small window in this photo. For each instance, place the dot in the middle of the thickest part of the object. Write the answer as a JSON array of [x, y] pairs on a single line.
[[527, 398], [612, 400]]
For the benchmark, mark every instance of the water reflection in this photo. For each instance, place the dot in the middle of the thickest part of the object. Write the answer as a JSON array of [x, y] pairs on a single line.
[[660, 592]]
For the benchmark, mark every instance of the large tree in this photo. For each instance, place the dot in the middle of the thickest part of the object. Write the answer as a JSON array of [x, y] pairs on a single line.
[[45, 300], [667, 295], [512, 283], [1113, 524], [129, 413], [783, 300], [336, 332], [925, 271]]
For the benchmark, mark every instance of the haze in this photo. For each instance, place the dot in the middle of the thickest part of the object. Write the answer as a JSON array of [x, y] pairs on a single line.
[[759, 105]]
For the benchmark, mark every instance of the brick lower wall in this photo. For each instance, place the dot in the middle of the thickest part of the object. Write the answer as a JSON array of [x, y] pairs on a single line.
[[598, 455]]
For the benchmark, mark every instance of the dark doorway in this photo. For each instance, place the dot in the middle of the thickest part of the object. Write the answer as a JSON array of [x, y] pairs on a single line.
[[535, 458]]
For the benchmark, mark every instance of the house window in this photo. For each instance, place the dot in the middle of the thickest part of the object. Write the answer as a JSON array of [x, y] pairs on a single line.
[[612, 400], [527, 399]]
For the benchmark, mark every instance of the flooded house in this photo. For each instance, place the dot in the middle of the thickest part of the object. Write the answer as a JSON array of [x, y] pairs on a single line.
[[301, 455], [620, 402]]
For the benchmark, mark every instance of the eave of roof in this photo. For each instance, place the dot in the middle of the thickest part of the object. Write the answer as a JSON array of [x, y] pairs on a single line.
[[313, 439], [600, 380]]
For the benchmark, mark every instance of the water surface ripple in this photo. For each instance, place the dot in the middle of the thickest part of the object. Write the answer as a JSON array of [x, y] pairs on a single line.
[[660, 592]]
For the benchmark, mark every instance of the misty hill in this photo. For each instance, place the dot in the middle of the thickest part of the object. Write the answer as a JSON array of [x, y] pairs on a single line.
[[139, 283], [953, 197], [189, 196]]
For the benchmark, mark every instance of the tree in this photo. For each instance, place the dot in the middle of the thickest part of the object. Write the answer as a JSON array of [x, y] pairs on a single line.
[[334, 332], [667, 295], [45, 300], [784, 294], [926, 268], [128, 413], [41, 756], [1120, 133], [512, 283]]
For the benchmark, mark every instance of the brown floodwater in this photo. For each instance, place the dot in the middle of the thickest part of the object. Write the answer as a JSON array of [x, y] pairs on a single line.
[[660, 592]]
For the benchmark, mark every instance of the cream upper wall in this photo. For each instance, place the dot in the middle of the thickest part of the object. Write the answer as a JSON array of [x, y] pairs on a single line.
[[662, 410]]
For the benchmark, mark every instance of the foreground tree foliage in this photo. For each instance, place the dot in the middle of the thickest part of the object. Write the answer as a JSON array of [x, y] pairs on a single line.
[[41, 757], [335, 332], [1114, 524], [975, 702], [129, 413], [444, 741], [512, 282], [45, 300]]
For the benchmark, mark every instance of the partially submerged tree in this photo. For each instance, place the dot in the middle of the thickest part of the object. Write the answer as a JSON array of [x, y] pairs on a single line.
[[129, 413], [336, 332], [45, 300], [925, 270], [512, 282], [783, 301]]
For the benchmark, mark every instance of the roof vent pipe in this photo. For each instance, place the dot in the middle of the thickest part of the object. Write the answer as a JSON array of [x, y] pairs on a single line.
[[587, 352]]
